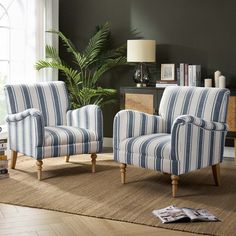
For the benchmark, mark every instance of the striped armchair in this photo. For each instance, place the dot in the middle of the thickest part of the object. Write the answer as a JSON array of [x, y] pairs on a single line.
[[188, 134], [41, 125]]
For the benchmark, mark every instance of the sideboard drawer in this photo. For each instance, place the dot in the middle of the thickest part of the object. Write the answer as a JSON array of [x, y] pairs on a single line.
[[140, 102], [231, 117]]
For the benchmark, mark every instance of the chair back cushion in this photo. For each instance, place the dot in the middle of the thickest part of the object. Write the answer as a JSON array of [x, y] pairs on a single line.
[[51, 98], [209, 104]]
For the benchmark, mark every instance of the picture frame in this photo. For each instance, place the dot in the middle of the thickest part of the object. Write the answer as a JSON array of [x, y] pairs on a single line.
[[168, 72]]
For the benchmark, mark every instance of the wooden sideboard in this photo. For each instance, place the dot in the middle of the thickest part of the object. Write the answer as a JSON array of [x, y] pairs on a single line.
[[147, 99], [231, 118], [141, 99]]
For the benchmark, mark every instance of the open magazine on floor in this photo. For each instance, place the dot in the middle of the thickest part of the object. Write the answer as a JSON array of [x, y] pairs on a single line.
[[175, 214]]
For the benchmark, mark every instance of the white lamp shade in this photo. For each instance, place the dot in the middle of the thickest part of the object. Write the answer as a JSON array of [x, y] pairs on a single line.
[[141, 50]]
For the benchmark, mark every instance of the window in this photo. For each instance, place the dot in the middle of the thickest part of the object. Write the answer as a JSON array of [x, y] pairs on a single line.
[[4, 57], [22, 28]]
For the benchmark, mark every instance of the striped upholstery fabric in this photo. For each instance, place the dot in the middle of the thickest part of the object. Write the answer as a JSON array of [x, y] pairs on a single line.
[[92, 119], [189, 133], [50, 98], [134, 124], [207, 103], [150, 151], [40, 124]]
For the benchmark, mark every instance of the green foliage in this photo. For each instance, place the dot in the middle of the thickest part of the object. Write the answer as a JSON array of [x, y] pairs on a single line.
[[90, 66]]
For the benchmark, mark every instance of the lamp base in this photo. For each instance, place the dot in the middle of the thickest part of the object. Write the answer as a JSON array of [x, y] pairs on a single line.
[[142, 75], [139, 85]]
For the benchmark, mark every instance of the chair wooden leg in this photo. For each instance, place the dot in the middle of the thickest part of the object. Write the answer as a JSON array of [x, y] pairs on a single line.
[[123, 172], [216, 174], [67, 158], [175, 179], [93, 157], [13, 159], [39, 169]]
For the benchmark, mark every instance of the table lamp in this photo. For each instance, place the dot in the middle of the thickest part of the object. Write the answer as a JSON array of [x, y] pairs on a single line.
[[141, 50]]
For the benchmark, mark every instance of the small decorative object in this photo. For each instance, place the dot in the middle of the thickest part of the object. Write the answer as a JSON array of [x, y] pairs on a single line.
[[217, 75], [208, 82], [168, 72], [140, 50], [222, 81]]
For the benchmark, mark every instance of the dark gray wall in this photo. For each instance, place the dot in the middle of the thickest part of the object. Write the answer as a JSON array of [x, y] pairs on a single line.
[[191, 31]]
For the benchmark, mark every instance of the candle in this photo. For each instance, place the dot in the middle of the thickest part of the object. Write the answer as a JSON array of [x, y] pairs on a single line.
[[222, 81], [208, 82], [217, 75]]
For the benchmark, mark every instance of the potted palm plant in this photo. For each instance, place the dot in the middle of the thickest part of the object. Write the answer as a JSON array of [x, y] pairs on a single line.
[[89, 67]]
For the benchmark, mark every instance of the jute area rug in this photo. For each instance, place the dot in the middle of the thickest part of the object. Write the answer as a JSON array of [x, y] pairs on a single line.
[[71, 187]]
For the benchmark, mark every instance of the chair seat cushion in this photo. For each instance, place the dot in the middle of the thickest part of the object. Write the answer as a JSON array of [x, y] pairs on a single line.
[[153, 145], [152, 151], [65, 135]]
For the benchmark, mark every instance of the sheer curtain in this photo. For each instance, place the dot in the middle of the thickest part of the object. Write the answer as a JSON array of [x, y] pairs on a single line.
[[23, 26]]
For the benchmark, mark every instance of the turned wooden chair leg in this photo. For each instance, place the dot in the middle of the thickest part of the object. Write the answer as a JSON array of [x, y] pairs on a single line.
[[216, 174], [174, 182], [13, 159], [93, 156], [67, 158], [123, 172], [39, 169]]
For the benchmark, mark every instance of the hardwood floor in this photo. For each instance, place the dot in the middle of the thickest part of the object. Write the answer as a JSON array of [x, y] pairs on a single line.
[[17, 220]]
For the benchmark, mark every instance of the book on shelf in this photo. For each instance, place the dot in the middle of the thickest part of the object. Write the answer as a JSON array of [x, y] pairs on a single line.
[[4, 167], [178, 75], [3, 159], [189, 75], [173, 214], [181, 74], [186, 74], [3, 144]]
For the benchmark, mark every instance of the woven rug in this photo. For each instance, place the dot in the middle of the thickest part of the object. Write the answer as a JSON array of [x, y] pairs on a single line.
[[71, 187]]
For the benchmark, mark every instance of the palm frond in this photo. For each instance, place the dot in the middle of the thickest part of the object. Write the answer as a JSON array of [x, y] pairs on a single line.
[[108, 101], [105, 91], [116, 52], [110, 63], [52, 53], [69, 72], [79, 59], [96, 44]]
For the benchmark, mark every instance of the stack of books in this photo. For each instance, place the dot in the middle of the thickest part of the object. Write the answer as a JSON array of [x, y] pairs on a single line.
[[189, 75], [3, 159], [165, 83]]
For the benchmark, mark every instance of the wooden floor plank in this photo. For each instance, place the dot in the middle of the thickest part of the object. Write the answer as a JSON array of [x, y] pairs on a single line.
[[31, 221]]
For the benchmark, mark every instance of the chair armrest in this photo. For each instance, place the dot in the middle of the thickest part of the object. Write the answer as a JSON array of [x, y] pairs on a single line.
[[22, 115], [130, 123], [30, 121], [87, 117], [208, 125], [197, 143]]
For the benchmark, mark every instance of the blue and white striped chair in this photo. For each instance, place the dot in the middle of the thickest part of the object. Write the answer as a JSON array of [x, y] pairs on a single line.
[[188, 134], [41, 125]]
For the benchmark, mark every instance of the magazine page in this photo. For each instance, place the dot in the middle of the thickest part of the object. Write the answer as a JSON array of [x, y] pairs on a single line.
[[170, 214], [199, 214]]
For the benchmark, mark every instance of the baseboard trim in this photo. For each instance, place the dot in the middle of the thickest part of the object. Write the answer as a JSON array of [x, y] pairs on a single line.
[[107, 142]]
